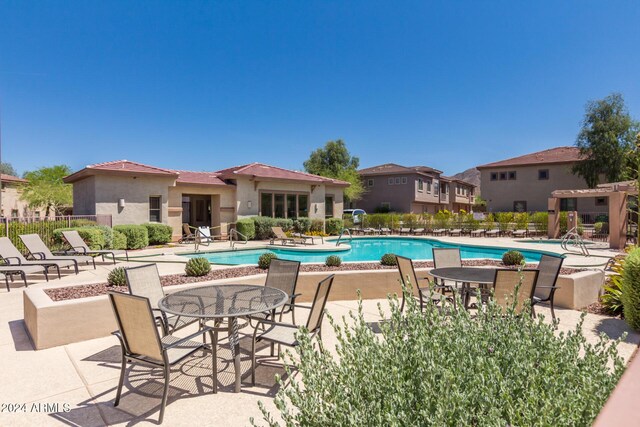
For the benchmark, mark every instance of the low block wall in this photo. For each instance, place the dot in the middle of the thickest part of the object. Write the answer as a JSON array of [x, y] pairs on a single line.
[[52, 323]]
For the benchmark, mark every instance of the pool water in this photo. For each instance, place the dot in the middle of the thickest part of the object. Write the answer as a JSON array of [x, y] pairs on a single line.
[[364, 249]]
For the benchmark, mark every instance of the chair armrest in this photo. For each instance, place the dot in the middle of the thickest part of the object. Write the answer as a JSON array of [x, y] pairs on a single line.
[[187, 338], [548, 287], [7, 259], [38, 255], [270, 322], [299, 306], [82, 250]]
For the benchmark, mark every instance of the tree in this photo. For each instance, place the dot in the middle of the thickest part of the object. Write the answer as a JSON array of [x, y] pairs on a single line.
[[605, 140], [8, 169], [334, 161], [45, 188]]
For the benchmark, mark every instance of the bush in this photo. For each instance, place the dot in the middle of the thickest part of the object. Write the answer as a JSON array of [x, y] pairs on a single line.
[[388, 259], [317, 226], [117, 277], [302, 225], [159, 234], [333, 226], [247, 227], [631, 289], [522, 220], [428, 368], [285, 223], [611, 298], [197, 267], [541, 221], [504, 221], [333, 261], [263, 226], [265, 260], [601, 227], [137, 236], [512, 258], [94, 237], [119, 240], [442, 219]]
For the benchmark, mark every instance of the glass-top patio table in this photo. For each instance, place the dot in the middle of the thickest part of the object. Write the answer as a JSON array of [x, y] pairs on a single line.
[[466, 276], [217, 302]]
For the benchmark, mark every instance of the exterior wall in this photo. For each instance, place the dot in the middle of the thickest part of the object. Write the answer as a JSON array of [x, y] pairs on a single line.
[[500, 195], [136, 192], [84, 196], [399, 196], [12, 202]]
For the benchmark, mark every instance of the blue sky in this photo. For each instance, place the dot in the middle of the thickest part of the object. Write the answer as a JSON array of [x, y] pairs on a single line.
[[206, 85]]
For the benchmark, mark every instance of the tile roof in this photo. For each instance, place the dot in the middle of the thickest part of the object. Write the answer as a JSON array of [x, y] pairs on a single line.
[[203, 178], [393, 168], [11, 178], [125, 166], [550, 156], [260, 170]]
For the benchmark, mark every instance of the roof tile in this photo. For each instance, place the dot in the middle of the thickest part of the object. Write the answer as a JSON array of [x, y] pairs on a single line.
[[550, 156]]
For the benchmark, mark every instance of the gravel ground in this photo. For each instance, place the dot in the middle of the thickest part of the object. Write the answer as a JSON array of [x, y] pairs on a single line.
[[96, 289]]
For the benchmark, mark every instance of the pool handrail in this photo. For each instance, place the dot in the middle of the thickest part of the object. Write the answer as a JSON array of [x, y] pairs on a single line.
[[342, 234]]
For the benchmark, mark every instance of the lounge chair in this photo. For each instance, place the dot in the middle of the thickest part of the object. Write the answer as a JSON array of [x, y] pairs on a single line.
[[79, 246], [13, 257], [305, 238], [144, 281], [282, 237], [404, 230], [549, 267], [203, 235], [141, 342], [439, 231], [492, 233], [478, 233], [285, 333], [455, 232], [417, 231], [40, 251], [410, 280], [385, 231], [187, 235], [520, 233], [8, 271]]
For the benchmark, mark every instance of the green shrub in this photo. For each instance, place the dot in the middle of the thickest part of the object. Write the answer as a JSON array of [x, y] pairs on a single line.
[[504, 221], [541, 221], [265, 260], [564, 219], [284, 223], [94, 237], [159, 234], [197, 267], [119, 240], [611, 298], [117, 277], [522, 220], [631, 289], [333, 261], [302, 225], [388, 259], [263, 226], [434, 368], [247, 227], [600, 227], [137, 236], [317, 226], [512, 258], [333, 226], [489, 222], [442, 219]]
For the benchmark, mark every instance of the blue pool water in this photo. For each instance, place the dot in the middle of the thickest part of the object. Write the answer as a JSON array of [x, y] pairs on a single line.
[[367, 249]]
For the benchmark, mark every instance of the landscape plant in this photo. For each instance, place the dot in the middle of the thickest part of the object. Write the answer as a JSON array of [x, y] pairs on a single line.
[[119, 241], [246, 227], [426, 368], [611, 298], [333, 226], [541, 221], [264, 261], [388, 259], [512, 258], [137, 235], [333, 261], [504, 221], [117, 277], [196, 267], [489, 222], [45, 188], [522, 220], [442, 219], [159, 234], [631, 289], [302, 225]]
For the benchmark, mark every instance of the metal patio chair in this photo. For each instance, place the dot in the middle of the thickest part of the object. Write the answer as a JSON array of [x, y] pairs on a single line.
[[549, 267], [39, 251], [504, 287], [78, 246], [410, 280]]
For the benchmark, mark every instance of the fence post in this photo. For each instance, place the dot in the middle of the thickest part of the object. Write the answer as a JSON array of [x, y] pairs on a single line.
[[68, 221]]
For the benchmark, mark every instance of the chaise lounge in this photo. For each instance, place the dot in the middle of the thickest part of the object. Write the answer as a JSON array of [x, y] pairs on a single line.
[[13, 257], [38, 250], [79, 246]]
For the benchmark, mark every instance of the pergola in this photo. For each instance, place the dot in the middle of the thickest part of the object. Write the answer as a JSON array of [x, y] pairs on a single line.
[[617, 192]]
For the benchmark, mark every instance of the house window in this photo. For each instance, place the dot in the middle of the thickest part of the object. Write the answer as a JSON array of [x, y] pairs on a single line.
[[543, 174], [520, 206], [328, 207], [14, 213], [370, 182], [602, 201], [569, 204], [494, 176], [303, 205], [292, 208], [404, 179], [512, 175], [284, 205], [420, 185], [503, 176], [155, 205], [398, 181], [266, 204], [390, 181], [436, 188], [278, 205], [428, 186]]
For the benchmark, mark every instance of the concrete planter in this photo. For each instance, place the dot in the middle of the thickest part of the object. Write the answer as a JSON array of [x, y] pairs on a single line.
[[52, 323]]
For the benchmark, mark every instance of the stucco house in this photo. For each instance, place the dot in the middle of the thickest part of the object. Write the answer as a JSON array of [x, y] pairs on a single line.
[[135, 193], [412, 189], [13, 206], [525, 183]]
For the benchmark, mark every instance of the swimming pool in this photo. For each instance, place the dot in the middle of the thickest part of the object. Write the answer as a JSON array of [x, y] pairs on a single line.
[[364, 249]]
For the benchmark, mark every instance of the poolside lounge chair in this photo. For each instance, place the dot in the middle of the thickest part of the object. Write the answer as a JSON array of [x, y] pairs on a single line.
[[492, 233], [79, 246], [13, 257], [439, 231], [385, 231], [141, 342], [8, 271], [410, 280], [417, 231], [187, 235], [40, 251], [520, 233], [504, 287], [285, 333], [478, 233], [282, 237], [549, 267], [203, 235], [144, 281], [455, 232], [305, 238], [404, 230]]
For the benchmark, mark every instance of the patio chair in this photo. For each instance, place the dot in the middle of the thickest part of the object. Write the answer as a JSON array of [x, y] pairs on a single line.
[[305, 238], [520, 233], [8, 271], [410, 280], [187, 235], [404, 230], [38, 250], [13, 257], [504, 287], [141, 342], [492, 233], [283, 275], [455, 232], [477, 233], [439, 231], [385, 231], [445, 258], [285, 333], [549, 267], [79, 246], [144, 281], [417, 231], [281, 236], [203, 235]]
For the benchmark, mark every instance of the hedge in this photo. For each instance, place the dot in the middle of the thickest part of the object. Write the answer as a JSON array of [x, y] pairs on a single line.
[[159, 234], [302, 225], [94, 237], [119, 240], [334, 226], [631, 289], [137, 235], [263, 226], [246, 227]]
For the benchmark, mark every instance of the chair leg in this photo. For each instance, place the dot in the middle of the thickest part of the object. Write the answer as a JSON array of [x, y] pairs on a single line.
[[58, 270], [121, 382], [94, 262], [253, 359], [214, 359], [6, 281], [165, 393]]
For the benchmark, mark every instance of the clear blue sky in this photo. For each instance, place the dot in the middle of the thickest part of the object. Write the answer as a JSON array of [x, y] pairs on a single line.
[[207, 85]]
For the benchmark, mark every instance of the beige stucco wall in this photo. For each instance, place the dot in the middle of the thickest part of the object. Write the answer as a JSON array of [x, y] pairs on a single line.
[[84, 202], [12, 201], [136, 192], [500, 195]]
